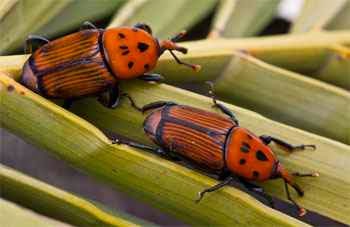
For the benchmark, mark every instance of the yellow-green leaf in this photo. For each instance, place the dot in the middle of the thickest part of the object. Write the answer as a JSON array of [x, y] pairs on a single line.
[[342, 20], [76, 12], [286, 97], [315, 14], [164, 184], [166, 17], [12, 215], [336, 67], [58, 204], [238, 18]]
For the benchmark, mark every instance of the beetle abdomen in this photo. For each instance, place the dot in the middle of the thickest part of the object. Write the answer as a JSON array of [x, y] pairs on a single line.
[[69, 67], [193, 133]]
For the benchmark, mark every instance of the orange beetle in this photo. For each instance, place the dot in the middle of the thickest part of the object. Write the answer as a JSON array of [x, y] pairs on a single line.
[[92, 61], [219, 145]]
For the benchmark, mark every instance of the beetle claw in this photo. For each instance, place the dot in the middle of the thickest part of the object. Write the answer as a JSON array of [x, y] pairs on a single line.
[[200, 197], [116, 141], [311, 146], [302, 212]]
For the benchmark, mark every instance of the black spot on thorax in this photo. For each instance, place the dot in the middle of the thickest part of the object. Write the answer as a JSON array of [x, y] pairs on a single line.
[[255, 174], [126, 52], [242, 161], [142, 46], [245, 147], [121, 35], [130, 64], [261, 156]]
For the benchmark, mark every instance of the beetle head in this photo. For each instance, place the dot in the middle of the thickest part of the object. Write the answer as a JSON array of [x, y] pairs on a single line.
[[170, 45]]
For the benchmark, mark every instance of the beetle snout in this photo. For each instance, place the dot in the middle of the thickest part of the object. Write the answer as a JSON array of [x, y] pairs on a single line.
[[170, 45]]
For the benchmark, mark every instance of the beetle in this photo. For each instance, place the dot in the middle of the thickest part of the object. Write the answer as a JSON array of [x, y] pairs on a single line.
[[92, 61], [219, 145]]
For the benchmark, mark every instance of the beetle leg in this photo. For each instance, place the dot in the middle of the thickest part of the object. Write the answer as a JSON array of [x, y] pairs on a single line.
[[114, 97], [313, 174], [154, 105], [288, 147], [111, 98], [28, 45], [214, 188], [151, 77], [224, 174], [144, 27], [258, 190], [87, 25], [301, 210], [221, 107], [156, 150], [172, 152], [67, 104], [195, 67], [132, 102]]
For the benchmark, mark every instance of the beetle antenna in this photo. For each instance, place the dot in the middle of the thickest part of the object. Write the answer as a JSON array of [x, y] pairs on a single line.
[[171, 45], [211, 91], [289, 179], [132, 102], [195, 67], [177, 37]]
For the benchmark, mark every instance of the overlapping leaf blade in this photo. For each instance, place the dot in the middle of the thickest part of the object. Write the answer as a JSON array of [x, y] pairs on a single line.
[[175, 15], [238, 18], [14, 215], [316, 14], [35, 13]]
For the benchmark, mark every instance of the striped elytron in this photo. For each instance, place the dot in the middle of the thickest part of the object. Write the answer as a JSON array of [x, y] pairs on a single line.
[[219, 145], [92, 61]]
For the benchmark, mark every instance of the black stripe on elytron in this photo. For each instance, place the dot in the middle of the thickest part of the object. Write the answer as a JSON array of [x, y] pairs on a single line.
[[32, 65], [196, 127], [209, 132], [147, 126], [35, 71], [85, 60], [103, 54], [159, 131]]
